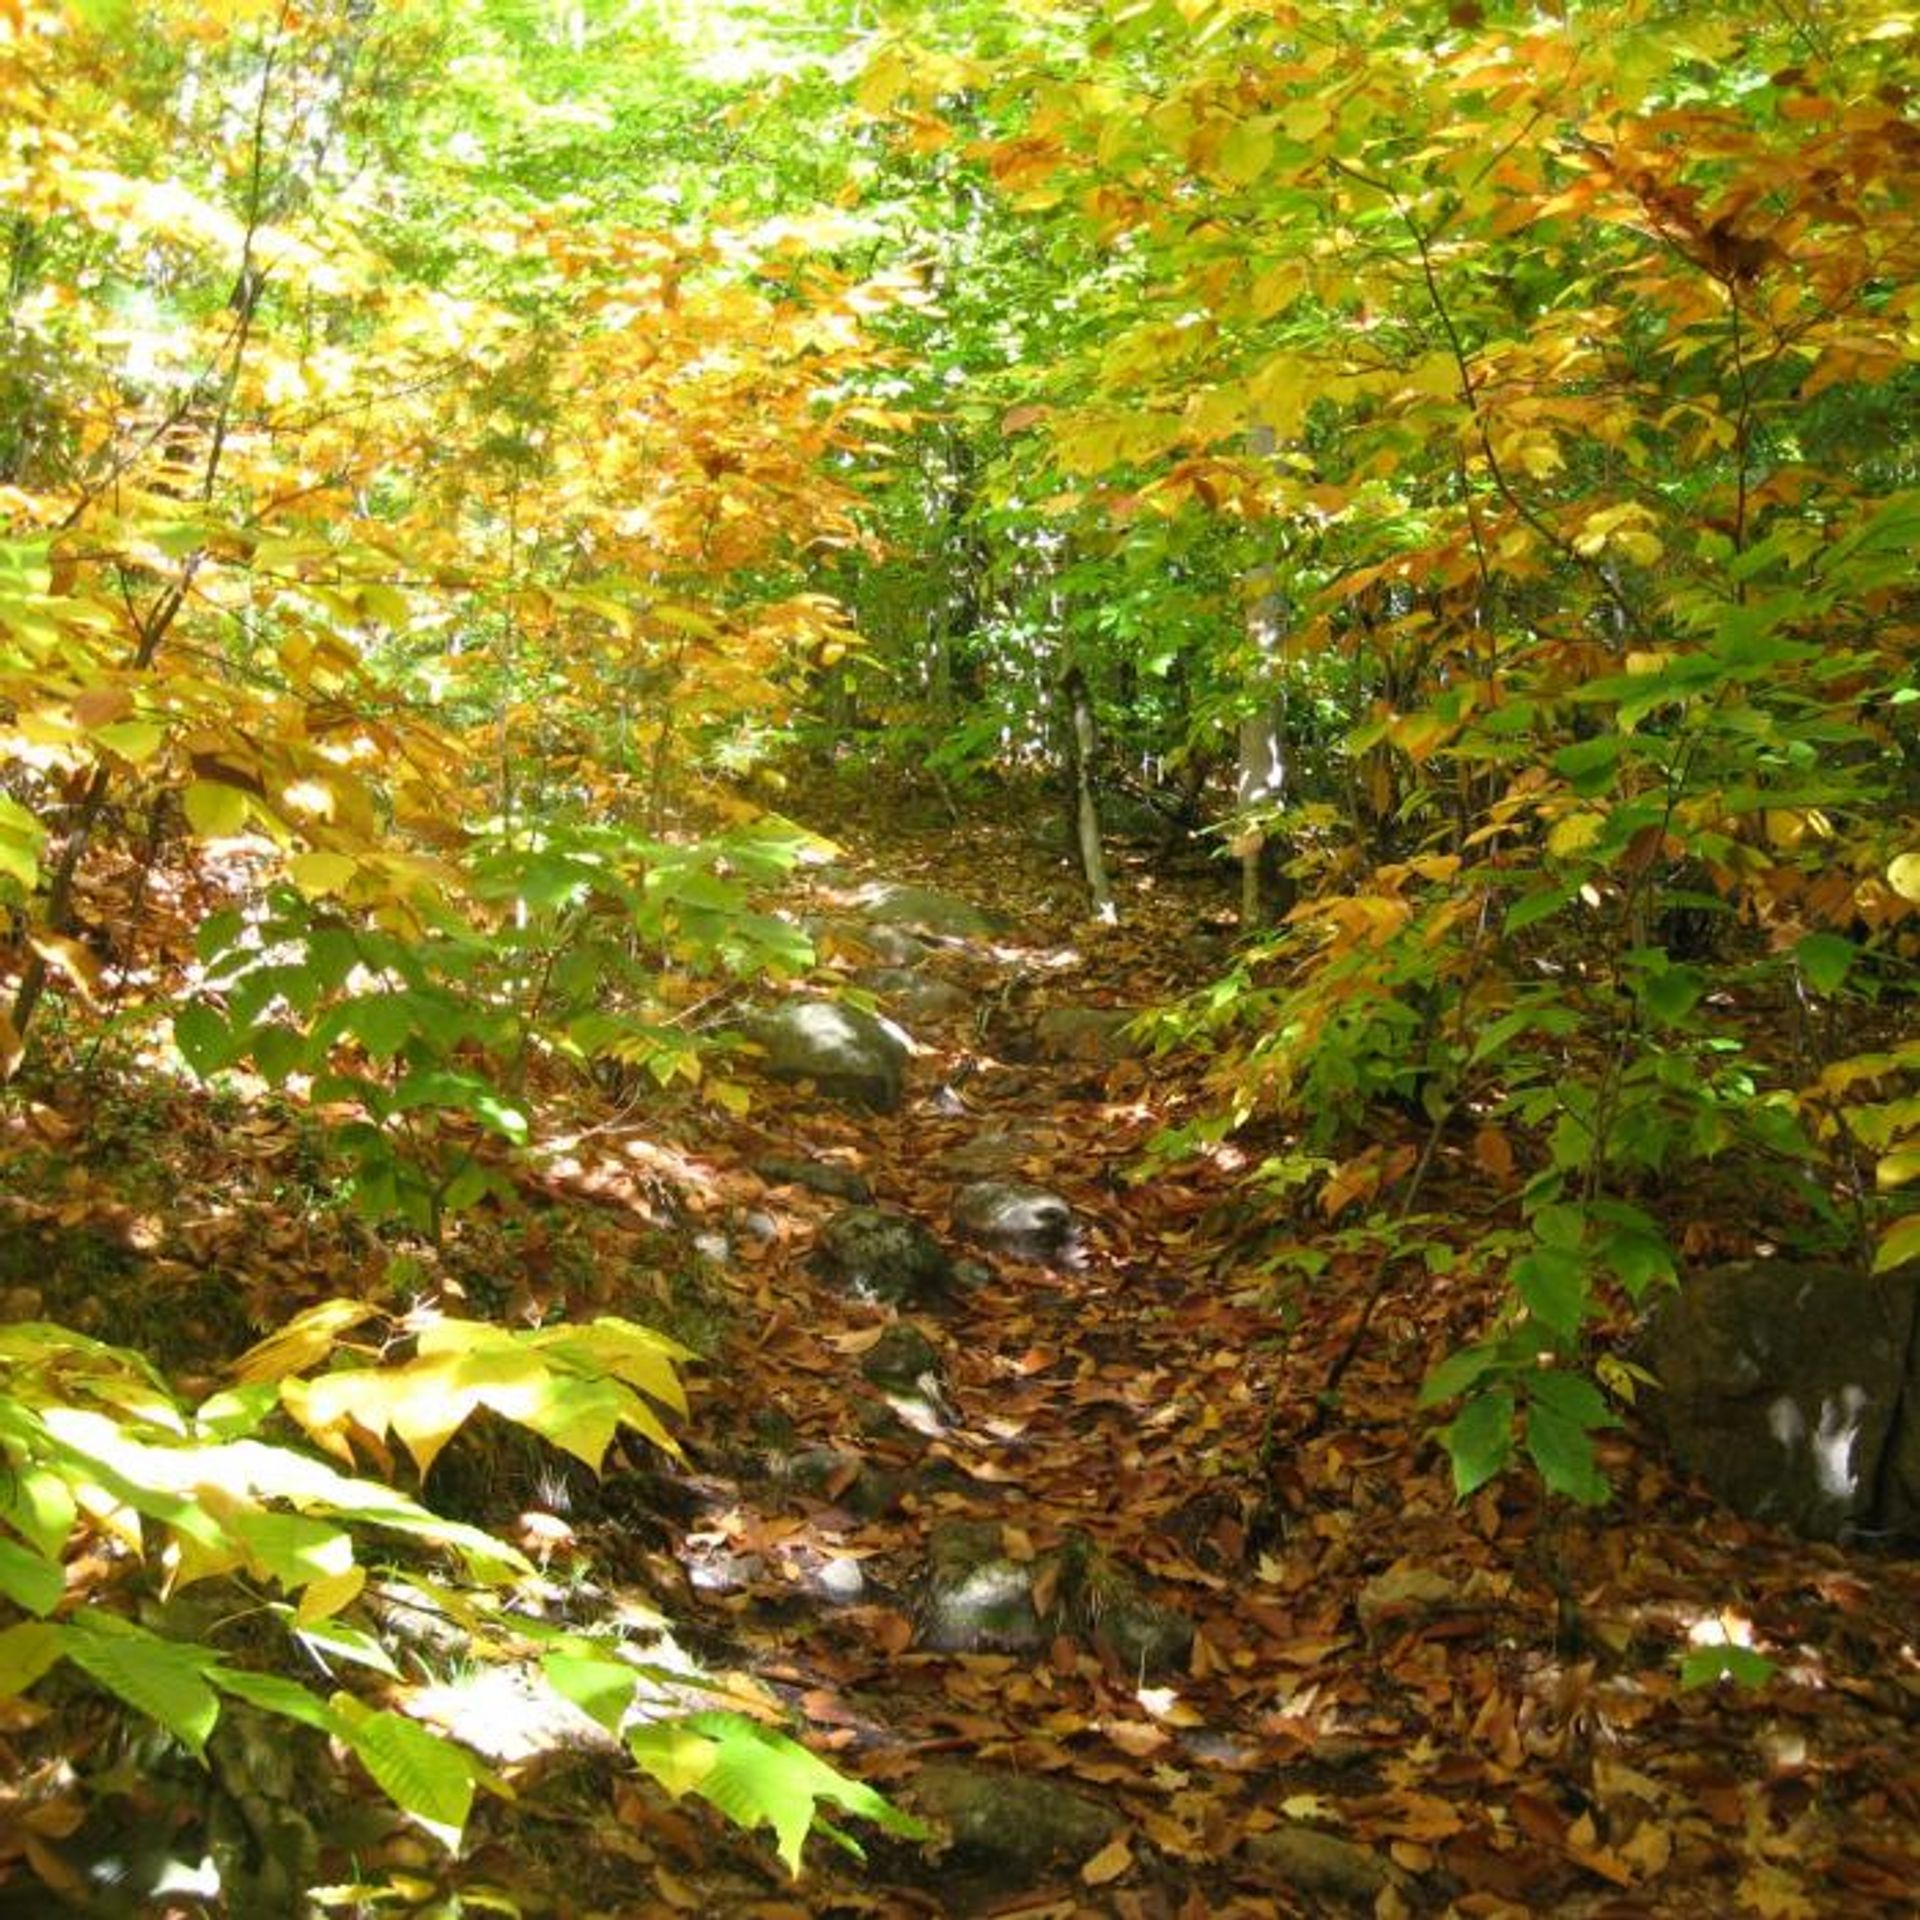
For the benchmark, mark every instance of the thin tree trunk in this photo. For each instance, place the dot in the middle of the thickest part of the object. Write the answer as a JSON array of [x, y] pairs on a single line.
[[1084, 739]]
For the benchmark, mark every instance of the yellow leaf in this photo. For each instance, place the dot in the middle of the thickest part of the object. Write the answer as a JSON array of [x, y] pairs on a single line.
[[214, 810], [1575, 833], [134, 740], [319, 874], [304, 1341], [1897, 1168], [1309, 1806], [1899, 1244], [1112, 1861], [1247, 151], [883, 82], [324, 1597], [73, 962], [1903, 876]]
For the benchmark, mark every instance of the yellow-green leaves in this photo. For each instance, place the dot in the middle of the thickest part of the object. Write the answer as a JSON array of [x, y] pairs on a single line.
[[575, 1386]]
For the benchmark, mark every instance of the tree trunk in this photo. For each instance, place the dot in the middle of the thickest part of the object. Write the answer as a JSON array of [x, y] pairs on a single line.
[[1082, 740]]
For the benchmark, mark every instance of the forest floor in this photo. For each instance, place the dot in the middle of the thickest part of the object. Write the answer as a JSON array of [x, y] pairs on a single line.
[[1384, 1700]]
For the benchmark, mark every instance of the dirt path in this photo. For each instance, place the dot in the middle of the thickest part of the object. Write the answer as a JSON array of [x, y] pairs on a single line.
[[1065, 1557]]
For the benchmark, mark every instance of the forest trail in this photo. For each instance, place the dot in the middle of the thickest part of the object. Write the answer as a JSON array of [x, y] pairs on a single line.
[[1069, 1559]]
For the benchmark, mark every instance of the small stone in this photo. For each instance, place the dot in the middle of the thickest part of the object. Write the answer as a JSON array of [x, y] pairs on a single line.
[[975, 1599], [1093, 1035], [1026, 1222], [917, 996], [838, 1578], [817, 1176], [1148, 1640], [1319, 1865], [1792, 1389], [900, 1358], [877, 1255]]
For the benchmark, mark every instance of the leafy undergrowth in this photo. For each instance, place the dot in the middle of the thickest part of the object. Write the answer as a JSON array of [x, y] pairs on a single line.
[[1500, 1701]]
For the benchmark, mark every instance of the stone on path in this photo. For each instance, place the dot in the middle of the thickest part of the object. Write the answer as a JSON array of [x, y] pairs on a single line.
[[905, 1365], [976, 1599], [916, 995], [921, 910], [847, 1053], [1011, 1217], [1792, 1389], [817, 1176], [1090, 1035], [1320, 1866], [876, 1255], [900, 1358], [1003, 1828], [866, 939]]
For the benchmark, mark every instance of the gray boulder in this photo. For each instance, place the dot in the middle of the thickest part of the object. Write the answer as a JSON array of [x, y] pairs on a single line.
[[921, 910], [1792, 1389], [1028, 1222], [1003, 1829], [877, 1255], [847, 1053]]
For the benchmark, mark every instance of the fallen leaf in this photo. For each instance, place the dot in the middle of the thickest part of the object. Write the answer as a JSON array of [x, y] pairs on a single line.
[[1106, 1866]]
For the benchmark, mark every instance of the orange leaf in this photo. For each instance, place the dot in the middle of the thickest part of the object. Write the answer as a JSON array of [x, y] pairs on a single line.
[[1492, 1153]]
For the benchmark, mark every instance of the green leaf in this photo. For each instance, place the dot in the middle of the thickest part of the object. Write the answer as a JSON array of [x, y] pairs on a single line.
[[1669, 994], [1705, 1666], [40, 1506], [759, 1777], [1825, 959], [1540, 904], [1570, 1396], [278, 1050], [382, 1022], [293, 1548], [275, 1694], [1588, 765], [1561, 1446], [205, 1042], [425, 1776], [601, 1688], [1553, 1283], [158, 1677], [1631, 1243], [26, 1652], [1479, 1439], [30, 1580], [1457, 1372], [1560, 1225]]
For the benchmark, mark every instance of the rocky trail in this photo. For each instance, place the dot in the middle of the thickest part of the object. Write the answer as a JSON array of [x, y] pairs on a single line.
[[1012, 1480]]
